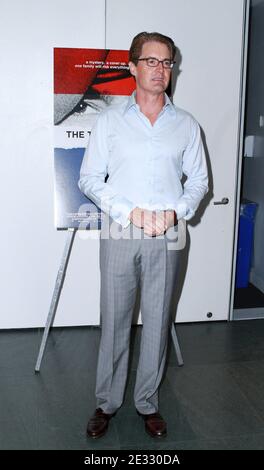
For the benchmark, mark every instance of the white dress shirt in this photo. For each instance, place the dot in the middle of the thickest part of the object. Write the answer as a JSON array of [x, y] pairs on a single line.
[[145, 162]]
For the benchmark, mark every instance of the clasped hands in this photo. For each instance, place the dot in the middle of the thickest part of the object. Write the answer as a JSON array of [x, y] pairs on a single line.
[[154, 223]]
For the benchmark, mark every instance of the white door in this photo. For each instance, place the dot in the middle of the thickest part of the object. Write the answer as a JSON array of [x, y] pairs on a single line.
[[209, 35]]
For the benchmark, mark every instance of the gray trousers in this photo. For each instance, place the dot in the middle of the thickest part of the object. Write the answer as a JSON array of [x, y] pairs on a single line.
[[129, 260]]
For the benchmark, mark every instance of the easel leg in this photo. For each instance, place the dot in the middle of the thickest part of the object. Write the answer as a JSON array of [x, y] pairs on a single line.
[[176, 345], [56, 294]]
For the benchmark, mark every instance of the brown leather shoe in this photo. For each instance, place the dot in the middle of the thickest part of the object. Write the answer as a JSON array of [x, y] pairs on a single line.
[[98, 423], [155, 425]]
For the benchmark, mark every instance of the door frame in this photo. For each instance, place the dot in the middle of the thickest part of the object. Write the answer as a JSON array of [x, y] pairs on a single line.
[[241, 125]]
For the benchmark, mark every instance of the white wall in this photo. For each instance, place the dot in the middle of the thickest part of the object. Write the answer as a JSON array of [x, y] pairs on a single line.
[[30, 246]]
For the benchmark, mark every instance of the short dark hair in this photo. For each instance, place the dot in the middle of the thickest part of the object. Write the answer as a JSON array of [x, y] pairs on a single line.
[[141, 38]]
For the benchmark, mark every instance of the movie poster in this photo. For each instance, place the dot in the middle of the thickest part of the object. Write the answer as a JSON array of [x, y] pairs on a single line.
[[85, 82]]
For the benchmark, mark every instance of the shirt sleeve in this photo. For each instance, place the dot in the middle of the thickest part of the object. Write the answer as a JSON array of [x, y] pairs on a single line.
[[195, 168], [93, 172]]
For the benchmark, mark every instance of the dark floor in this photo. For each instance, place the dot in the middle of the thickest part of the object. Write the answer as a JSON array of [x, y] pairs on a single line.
[[215, 401]]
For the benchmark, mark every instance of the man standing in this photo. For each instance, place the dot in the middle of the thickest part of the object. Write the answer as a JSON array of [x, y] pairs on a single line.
[[144, 145]]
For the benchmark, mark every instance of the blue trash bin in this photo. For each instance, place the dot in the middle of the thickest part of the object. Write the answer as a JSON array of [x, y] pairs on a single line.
[[245, 242]]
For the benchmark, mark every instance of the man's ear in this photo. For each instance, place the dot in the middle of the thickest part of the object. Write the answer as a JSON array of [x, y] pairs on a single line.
[[132, 68]]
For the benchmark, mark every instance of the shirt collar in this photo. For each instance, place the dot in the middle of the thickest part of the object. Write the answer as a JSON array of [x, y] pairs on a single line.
[[168, 104], [131, 102]]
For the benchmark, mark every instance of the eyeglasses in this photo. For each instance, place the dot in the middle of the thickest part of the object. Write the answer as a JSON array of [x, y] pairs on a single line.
[[153, 62]]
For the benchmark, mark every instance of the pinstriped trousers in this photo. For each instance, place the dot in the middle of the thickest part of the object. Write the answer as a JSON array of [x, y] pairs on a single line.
[[130, 260]]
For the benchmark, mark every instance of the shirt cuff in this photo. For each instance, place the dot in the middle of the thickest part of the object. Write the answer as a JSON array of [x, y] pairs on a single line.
[[181, 210], [120, 213]]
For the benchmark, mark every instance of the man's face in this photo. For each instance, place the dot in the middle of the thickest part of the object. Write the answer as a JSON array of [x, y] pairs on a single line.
[[152, 80]]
